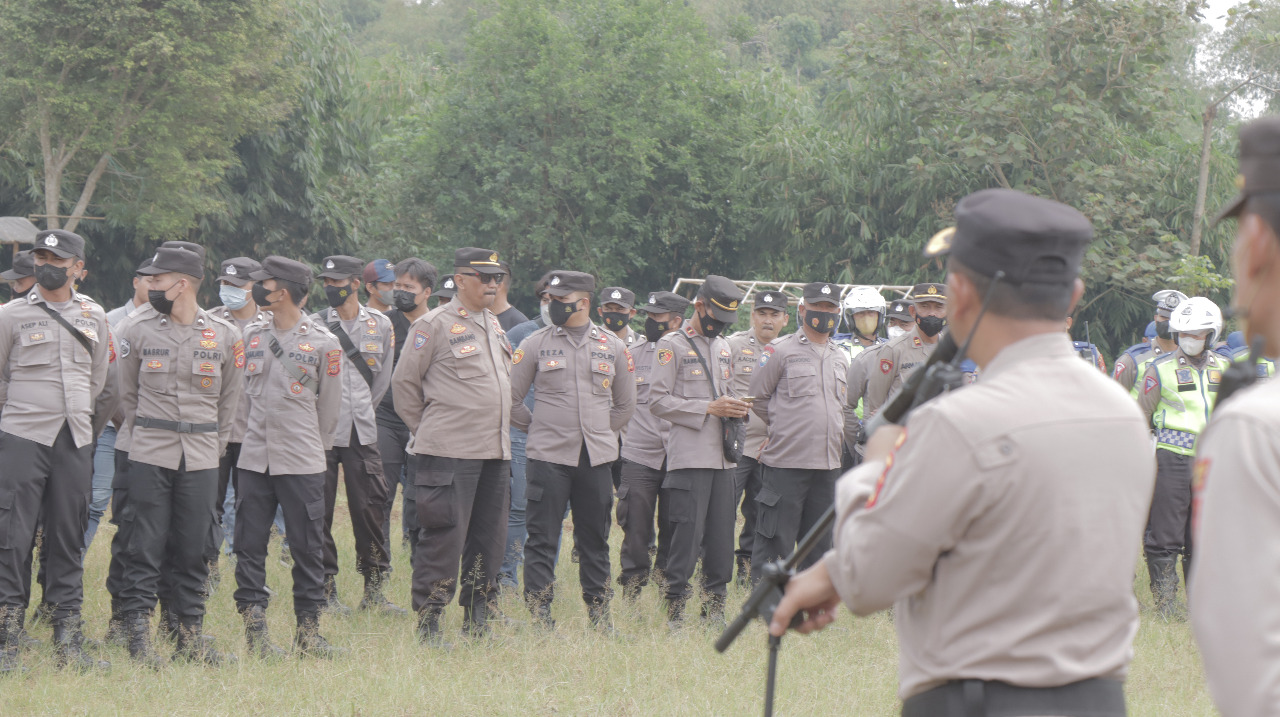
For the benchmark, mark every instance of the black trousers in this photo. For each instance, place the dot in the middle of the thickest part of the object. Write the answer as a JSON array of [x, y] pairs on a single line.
[[52, 483], [790, 502], [588, 491], [462, 509], [398, 472], [366, 498], [120, 515], [302, 499], [172, 511], [746, 484], [226, 473], [700, 508], [1096, 697], [637, 504], [1169, 523]]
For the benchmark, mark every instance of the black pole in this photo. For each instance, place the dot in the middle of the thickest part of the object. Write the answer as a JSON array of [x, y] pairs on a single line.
[[772, 680]]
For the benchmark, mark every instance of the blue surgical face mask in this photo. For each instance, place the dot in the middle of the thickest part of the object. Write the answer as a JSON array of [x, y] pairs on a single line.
[[233, 297]]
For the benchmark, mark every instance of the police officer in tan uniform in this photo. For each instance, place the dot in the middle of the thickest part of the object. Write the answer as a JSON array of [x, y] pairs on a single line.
[[181, 373], [293, 382], [20, 275], [616, 309], [453, 390], [368, 345], [644, 452], [1006, 552], [889, 364], [768, 318], [698, 487], [584, 394], [56, 395], [799, 391], [1235, 596]]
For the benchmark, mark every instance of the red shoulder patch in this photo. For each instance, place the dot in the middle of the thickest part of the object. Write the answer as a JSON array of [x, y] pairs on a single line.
[[888, 463], [1119, 370], [334, 359], [237, 350], [111, 348], [631, 361], [886, 366]]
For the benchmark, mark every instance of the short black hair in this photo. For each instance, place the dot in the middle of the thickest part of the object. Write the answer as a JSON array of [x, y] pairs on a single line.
[[1266, 206], [297, 292], [1027, 301], [423, 272]]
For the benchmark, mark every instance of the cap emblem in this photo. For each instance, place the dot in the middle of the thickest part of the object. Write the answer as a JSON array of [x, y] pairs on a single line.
[[653, 298], [826, 289], [932, 290], [493, 257], [328, 264], [448, 283], [733, 305], [231, 270], [51, 240], [555, 281], [768, 298], [616, 294], [154, 259]]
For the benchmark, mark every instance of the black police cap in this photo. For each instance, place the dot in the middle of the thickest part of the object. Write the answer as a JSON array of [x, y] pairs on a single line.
[[236, 271], [1030, 239], [665, 302], [62, 243], [563, 283], [189, 245], [770, 300], [929, 292], [900, 309], [817, 291], [721, 296], [484, 261], [341, 267], [1259, 163], [23, 266], [447, 289], [278, 267], [617, 295], [176, 259]]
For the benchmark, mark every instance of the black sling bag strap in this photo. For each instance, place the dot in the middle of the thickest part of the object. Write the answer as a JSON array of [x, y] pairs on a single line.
[[732, 429], [292, 367], [76, 333], [352, 352]]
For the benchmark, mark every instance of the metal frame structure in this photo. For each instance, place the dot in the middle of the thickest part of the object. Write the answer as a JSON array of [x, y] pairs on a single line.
[[794, 289]]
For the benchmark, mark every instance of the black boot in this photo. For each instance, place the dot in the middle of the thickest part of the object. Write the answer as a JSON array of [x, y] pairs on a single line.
[[475, 620], [255, 634], [169, 626], [1164, 585], [541, 611], [115, 627], [713, 612], [309, 642], [137, 627], [332, 604], [193, 645], [376, 601], [214, 579], [68, 642], [11, 619], [675, 614], [429, 630], [598, 614]]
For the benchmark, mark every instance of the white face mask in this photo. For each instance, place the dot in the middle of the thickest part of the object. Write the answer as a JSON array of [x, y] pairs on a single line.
[[896, 331], [1190, 346]]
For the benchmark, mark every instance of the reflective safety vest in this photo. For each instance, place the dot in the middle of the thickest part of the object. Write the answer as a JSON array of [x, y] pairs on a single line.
[[1143, 360], [1187, 395], [1266, 367], [853, 348]]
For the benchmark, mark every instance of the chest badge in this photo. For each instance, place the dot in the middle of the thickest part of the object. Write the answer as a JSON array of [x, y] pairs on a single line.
[[457, 329], [370, 347], [253, 342], [206, 382], [153, 364], [469, 348], [553, 364], [206, 344], [209, 333], [308, 348], [296, 387], [206, 367]]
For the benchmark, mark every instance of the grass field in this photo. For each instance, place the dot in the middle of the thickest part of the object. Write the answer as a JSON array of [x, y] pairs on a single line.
[[850, 668]]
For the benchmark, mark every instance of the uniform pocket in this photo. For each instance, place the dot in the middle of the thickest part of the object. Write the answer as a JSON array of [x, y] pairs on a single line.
[[468, 361], [37, 347], [767, 512], [623, 491], [6, 519], [553, 377], [436, 504], [206, 376], [802, 380], [694, 383], [156, 374], [602, 373]]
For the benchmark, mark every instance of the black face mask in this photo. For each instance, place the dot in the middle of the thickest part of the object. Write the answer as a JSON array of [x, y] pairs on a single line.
[[654, 329], [931, 325], [51, 277], [1162, 330], [824, 322], [561, 311], [337, 295], [159, 302], [615, 320], [711, 327], [260, 294], [405, 301]]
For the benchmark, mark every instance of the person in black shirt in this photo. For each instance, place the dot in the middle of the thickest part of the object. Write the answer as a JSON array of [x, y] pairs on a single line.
[[508, 315]]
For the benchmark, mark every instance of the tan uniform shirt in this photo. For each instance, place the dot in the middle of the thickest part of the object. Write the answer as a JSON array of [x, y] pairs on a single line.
[[746, 351], [1235, 596], [124, 432], [189, 374], [800, 395], [452, 385], [889, 366], [1007, 552], [47, 379], [583, 392], [290, 426], [645, 441], [370, 332], [242, 409], [679, 393]]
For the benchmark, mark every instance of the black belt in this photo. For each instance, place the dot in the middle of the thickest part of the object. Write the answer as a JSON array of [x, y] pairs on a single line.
[[1095, 697], [176, 426]]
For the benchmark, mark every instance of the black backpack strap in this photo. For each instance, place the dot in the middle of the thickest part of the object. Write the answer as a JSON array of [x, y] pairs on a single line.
[[351, 351], [292, 367], [75, 333]]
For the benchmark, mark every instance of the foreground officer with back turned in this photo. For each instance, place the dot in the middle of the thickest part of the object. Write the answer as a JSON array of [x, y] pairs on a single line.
[[800, 390], [368, 343], [180, 377], [55, 396], [1235, 596], [293, 381], [1006, 552], [698, 487], [453, 390], [584, 394]]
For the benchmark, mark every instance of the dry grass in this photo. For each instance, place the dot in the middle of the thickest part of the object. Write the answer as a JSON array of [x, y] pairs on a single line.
[[848, 669]]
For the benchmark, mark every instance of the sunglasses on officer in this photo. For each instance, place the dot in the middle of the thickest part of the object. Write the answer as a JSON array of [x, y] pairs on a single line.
[[485, 278]]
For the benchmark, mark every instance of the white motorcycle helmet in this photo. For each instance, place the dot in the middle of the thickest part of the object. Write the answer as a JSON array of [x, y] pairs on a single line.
[[863, 298], [1195, 315]]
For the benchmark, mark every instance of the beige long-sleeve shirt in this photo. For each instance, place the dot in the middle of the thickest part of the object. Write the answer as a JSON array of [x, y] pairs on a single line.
[[646, 437], [680, 393], [1006, 550], [746, 351], [883, 371], [800, 395], [242, 411], [370, 332]]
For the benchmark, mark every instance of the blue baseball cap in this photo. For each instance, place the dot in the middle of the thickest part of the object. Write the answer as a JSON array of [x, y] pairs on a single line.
[[379, 270]]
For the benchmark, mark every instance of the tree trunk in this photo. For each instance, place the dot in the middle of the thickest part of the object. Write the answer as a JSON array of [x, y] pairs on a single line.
[[1202, 188]]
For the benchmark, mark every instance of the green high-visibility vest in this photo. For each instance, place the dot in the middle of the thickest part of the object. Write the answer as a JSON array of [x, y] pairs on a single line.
[[853, 348], [1187, 395]]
